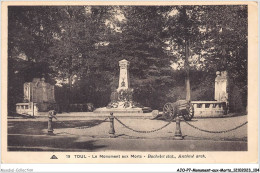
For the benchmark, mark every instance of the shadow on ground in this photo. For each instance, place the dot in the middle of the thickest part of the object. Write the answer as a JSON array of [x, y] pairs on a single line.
[[31, 136], [38, 127], [49, 143]]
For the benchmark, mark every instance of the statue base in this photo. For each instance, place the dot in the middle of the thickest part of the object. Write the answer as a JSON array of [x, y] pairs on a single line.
[[118, 110], [121, 103]]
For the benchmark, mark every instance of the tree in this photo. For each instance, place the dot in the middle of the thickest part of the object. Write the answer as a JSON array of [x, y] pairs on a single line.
[[184, 31], [74, 53], [64, 38], [83, 44], [213, 38], [226, 45], [140, 40], [30, 31]]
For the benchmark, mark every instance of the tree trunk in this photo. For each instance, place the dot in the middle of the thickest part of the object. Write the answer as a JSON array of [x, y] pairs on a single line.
[[70, 88], [70, 84], [187, 69]]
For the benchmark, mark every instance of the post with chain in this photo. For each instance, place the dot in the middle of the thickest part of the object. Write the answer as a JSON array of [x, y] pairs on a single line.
[[112, 129], [50, 127], [178, 134]]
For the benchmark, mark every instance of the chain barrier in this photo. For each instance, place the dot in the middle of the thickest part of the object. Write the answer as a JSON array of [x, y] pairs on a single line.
[[141, 131], [223, 131], [151, 131]]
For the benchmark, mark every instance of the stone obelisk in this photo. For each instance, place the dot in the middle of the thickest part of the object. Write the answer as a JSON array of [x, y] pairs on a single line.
[[124, 82], [121, 99]]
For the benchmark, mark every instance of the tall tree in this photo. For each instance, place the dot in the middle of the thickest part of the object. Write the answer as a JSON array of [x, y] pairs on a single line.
[[64, 37], [185, 36], [74, 53], [227, 47], [213, 38], [30, 33], [31, 30], [226, 39], [141, 40]]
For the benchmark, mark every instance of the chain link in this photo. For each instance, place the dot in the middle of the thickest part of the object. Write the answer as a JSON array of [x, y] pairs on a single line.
[[208, 131], [141, 131]]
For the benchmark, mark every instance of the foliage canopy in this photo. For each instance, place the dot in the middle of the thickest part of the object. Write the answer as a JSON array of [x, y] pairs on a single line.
[[80, 46]]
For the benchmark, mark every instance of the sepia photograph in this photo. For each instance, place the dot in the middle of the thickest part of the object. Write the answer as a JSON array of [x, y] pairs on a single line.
[[142, 80]]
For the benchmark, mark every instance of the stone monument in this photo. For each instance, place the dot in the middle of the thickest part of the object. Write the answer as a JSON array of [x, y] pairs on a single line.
[[124, 82], [221, 86], [220, 106], [122, 97], [39, 93]]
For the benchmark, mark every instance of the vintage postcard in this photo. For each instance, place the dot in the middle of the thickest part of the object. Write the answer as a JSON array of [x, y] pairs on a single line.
[[129, 82]]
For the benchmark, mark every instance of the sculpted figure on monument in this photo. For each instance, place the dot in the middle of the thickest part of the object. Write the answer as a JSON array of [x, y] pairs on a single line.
[[221, 86], [123, 96], [123, 83]]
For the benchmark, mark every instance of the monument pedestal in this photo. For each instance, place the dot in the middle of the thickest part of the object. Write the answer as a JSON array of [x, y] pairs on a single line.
[[118, 110], [123, 112]]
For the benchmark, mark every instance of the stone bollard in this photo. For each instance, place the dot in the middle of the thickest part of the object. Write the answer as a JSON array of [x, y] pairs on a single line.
[[178, 135], [112, 129], [50, 127]]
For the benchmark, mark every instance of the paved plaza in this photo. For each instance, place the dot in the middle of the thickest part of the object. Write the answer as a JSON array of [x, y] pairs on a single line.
[[75, 132]]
